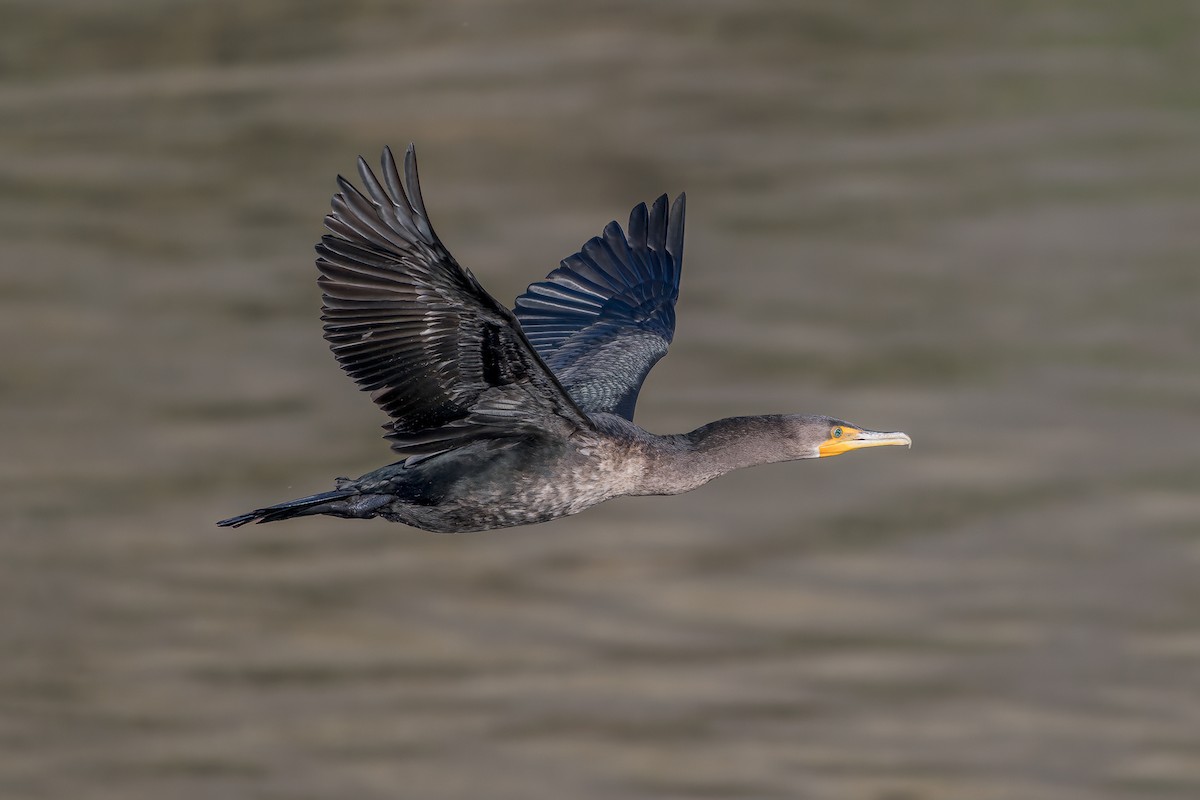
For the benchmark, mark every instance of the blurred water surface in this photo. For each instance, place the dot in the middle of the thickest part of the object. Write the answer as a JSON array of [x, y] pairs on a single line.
[[973, 221]]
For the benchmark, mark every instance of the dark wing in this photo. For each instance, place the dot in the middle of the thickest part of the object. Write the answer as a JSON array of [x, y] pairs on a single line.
[[607, 314], [446, 361]]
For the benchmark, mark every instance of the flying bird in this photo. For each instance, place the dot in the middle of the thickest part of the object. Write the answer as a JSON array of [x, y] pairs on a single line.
[[506, 418]]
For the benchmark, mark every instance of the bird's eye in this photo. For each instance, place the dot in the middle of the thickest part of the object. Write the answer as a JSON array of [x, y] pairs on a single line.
[[837, 433]]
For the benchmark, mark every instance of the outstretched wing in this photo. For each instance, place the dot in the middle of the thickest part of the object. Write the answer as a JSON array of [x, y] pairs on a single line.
[[446, 361], [607, 314]]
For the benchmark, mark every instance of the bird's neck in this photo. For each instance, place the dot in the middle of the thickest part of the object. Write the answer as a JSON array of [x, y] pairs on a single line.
[[685, 461]]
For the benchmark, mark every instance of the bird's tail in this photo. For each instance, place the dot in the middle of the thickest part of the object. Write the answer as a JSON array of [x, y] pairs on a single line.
[[323, 503]]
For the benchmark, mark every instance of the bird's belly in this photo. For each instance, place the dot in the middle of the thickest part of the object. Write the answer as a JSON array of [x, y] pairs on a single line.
[[505, 492]]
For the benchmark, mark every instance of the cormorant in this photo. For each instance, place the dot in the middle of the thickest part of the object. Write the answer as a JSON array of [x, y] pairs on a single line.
[[514, 417]]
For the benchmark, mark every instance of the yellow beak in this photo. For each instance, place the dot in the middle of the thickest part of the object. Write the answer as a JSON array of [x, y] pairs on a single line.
[[854, 439]]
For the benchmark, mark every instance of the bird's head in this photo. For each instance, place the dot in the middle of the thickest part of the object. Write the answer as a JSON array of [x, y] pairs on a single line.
[[815, 436]]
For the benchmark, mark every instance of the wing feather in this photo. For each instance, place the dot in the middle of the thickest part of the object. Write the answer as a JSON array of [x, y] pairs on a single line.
[[607, 314], [446, 361]]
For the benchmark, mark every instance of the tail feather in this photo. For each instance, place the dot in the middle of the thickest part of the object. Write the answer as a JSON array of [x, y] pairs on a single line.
[[322, 503]]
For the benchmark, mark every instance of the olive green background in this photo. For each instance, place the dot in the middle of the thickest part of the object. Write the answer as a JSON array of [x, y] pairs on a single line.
[[978, 222]]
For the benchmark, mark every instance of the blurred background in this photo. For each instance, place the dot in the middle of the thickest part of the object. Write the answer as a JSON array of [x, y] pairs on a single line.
[[977, 222]]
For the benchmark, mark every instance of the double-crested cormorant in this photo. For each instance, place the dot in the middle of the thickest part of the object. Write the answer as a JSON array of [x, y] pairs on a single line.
[[509, 418]]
